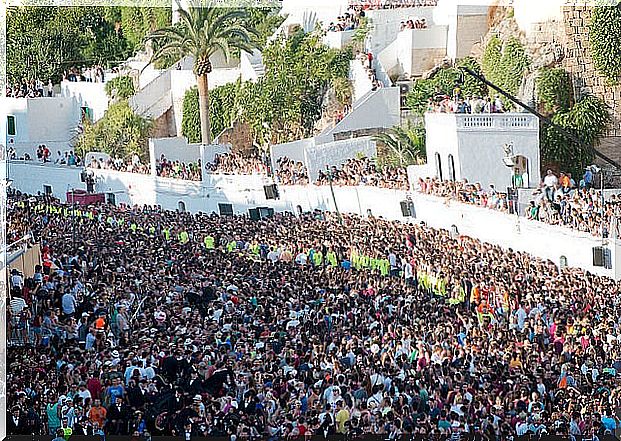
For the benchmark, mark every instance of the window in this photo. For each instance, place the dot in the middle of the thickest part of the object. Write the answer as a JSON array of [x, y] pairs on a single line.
[[10, 125], [451, 166], [439, 166], [87, 114], [47, 189]]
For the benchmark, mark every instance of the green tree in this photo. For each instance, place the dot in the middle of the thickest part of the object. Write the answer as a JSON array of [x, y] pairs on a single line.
[[120, 87], [201, 32], [404, 145], [605, 40], [43, 42], [119, 133], [587, 120], [443, 82]]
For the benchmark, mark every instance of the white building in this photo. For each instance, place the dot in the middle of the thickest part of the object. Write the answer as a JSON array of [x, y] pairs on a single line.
[[29, 122], [472, 147]]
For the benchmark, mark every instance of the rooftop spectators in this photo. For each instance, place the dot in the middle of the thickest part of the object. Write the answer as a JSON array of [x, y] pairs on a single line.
[[34, 88], [364, 172], [393, 4], [415, 23], [130, 165], [348, 21], [559, 201], [290, 172], [237, 164], [93, 74], [199, 325], [457, 104], [179, 170]]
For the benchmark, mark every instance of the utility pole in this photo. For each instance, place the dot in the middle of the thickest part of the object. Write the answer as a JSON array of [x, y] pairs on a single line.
[[336, 208]]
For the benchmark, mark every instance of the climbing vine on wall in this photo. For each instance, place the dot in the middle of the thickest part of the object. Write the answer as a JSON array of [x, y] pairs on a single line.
[[505, 64], [554, 90], [605, 38]]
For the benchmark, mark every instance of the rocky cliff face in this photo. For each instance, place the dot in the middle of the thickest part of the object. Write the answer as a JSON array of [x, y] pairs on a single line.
[[562, 43]]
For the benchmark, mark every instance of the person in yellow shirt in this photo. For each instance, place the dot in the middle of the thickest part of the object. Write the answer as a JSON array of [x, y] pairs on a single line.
[[342, 416]]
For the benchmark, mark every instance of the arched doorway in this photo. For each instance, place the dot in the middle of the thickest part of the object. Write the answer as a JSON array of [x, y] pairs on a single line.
[[451, 167], [439, 166], [181, 206], [520, 172]]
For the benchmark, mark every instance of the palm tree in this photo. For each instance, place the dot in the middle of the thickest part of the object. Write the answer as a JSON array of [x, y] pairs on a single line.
[[202, 30], [406, 145]]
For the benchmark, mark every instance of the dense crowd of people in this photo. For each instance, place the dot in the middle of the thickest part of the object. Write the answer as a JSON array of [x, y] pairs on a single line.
[[465, 192], [170, 323], [179, 170], [364, 171], [560, 201], [237, 163], [132, 164], [33, 88], [290, 172]]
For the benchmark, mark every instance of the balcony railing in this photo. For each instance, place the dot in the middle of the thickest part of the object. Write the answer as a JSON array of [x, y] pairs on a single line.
[[502, 121]]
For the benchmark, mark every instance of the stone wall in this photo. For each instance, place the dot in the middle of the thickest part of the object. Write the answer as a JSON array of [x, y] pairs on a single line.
[[579, 63], [239, 136]]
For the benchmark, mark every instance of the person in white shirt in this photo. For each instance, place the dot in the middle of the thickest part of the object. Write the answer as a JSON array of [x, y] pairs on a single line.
[[550, 182], [408, 273], [301, 258], [273, 255], [17, 281]]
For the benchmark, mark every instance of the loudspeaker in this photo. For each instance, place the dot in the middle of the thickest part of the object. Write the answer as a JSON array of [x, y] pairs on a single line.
[[254, 214], [271, 191], [83, 176], [407, 208], [225, 209], [265, 212], [598, 256]]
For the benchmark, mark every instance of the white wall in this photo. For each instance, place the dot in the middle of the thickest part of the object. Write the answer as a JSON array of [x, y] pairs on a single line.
[[476, 142], [336, 153], [174, 149], [306, 13], [546, 241], [316, 156], [414, 47], [91, 95], [386, 22], [378, 109], [296, 151], [361, 83], [337, 40], [50, 121]]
